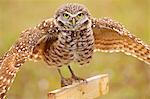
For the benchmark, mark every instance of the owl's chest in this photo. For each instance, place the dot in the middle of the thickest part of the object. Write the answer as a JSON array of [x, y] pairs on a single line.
[[76, 47], [80, 46]]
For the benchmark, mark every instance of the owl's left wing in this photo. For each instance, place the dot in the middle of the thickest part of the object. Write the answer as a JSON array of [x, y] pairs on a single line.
[[111, 36], [30, 44]]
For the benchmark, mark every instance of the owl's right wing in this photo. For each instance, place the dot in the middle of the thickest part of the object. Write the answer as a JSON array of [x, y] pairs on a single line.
[[30, 44], [111, 36]]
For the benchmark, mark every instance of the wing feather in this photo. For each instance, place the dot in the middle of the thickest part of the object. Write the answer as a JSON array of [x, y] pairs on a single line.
[[111, 36], [22, 51]]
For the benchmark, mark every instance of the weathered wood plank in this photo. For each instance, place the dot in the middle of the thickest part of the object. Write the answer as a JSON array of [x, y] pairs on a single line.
[[95, 87]]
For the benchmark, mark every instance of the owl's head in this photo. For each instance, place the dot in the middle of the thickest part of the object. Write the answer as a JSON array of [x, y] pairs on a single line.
[[72, 17]]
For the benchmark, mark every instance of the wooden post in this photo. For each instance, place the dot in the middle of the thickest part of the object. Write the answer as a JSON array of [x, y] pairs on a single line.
[[95, 87]]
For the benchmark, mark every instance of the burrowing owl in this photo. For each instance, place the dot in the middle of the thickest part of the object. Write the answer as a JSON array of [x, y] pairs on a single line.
[[71, 35]]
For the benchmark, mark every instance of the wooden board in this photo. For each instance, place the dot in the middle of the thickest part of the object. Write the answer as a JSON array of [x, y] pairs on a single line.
[[95, 87]]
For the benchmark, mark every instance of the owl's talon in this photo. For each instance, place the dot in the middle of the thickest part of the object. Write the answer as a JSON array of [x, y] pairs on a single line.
[[74, 77], [78, 79], [65, 82], [69, 81]]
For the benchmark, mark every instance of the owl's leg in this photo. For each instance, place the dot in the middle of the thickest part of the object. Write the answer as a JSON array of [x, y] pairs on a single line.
[[64, 81], [69, 81], [74, 77]]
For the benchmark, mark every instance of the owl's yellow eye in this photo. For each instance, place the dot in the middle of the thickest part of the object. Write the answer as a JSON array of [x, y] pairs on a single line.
[[66, 16], [80, 15]]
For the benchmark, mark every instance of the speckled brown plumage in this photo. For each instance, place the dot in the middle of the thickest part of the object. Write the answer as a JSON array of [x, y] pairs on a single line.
[[20, 52], [58, 43], [111, 36]]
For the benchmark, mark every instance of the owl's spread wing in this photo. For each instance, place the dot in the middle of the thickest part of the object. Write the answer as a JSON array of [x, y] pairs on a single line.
[[111, 36], [43, 43], [28, 44]]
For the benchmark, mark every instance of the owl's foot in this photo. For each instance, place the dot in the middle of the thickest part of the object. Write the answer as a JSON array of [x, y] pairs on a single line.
[[65, 82], [74, 77], [77, 79], [69, 81]]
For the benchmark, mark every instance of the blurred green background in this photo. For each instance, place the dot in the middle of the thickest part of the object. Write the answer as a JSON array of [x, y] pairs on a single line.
[[129, 77]]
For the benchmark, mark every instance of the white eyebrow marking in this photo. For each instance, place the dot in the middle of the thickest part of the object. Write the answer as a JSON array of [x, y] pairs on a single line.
[[73, 15]]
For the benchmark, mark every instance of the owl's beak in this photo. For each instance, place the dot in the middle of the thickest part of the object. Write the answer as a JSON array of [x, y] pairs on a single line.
[[73, 22]]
